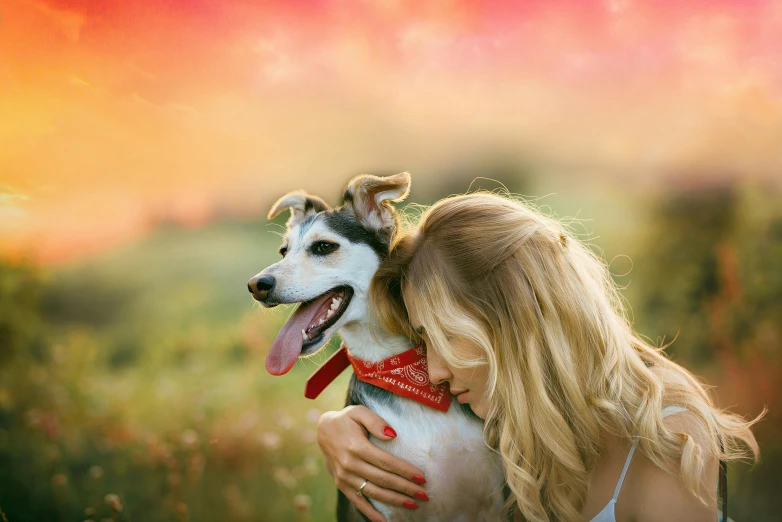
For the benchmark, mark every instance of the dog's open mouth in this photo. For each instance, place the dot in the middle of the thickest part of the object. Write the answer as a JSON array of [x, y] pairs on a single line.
[[305, 328]]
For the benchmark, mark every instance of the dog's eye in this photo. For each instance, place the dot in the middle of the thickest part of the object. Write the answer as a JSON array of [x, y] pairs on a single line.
[[321, 248], [283, 250]]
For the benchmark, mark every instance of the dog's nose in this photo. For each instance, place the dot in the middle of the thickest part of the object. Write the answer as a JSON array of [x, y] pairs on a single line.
[[260, 286]]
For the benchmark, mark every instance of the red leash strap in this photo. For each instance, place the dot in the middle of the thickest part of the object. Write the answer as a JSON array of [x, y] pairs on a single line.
[[326, 374]]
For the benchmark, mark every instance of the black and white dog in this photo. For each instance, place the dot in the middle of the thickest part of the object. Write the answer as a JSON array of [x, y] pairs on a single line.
[[329, 259]]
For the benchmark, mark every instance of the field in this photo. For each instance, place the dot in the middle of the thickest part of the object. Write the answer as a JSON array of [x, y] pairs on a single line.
[[132, 384]]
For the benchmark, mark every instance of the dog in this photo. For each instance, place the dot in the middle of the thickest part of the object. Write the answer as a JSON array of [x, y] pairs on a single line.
[[329, 259]]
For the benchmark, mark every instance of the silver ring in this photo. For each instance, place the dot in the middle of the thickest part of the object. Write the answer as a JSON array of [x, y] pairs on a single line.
[[360, 491]]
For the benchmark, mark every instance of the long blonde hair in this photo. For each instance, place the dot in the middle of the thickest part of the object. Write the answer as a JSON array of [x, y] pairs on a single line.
[[565, 366]]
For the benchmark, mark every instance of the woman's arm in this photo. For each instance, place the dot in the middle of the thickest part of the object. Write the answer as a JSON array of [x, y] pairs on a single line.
[[351, 459]]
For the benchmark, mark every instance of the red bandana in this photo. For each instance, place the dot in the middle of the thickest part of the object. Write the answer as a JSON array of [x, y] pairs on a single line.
[[404, 374]]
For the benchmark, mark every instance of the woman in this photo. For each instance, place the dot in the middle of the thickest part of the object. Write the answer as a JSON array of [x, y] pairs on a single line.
[[526, 326]]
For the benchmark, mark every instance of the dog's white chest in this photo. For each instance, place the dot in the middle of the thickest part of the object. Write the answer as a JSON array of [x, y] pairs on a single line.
[[464, 477]]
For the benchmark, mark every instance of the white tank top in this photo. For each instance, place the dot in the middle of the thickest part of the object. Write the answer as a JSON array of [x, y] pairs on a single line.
[[607, 514]]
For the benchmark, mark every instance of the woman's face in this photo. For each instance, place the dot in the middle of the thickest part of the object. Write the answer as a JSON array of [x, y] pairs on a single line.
[[469, 385]]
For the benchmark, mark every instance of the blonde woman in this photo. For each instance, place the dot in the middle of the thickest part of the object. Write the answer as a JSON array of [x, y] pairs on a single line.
[[526, 326]]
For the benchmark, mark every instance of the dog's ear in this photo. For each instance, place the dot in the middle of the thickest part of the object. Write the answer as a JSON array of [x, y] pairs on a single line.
[[371, 197], [300, 204]]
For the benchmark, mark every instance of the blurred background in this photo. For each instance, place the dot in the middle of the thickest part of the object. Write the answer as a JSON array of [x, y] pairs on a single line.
[[142, 143]]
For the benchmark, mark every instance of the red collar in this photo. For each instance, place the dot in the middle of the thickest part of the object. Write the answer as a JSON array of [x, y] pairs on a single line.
[[404, 374]]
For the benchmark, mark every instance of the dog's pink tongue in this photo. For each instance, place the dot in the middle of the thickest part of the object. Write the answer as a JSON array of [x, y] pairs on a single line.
[[288, 344]]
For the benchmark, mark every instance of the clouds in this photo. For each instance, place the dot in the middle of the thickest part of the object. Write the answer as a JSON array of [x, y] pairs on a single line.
[[211, 100], [69, 23]]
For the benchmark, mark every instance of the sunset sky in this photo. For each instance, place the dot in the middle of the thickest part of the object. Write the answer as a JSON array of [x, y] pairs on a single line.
[[115, 114]]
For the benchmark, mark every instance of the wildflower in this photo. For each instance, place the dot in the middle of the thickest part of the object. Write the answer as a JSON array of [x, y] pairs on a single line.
[[286, 421], [173, 480], [96, 472], [189, 439], [113, 502], [310, 466], [270, 440], [313, 415], [302, 502], [181, 508], [236, 502], [284, 477], [195, 466], [308, 436]]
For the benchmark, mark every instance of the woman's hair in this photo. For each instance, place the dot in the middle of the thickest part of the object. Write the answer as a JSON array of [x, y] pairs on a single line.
[[565, 366]]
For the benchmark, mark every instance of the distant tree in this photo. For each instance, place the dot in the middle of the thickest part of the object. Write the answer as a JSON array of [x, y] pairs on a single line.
[[710, 271], [679, 269]]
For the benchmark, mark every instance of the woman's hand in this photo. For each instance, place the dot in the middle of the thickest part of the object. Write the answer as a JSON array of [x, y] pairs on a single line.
[[351, 459]]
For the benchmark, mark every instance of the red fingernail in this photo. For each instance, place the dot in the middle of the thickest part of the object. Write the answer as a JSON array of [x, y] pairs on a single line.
[[418, 479], [409, 504], [421, 495], [388, 431]]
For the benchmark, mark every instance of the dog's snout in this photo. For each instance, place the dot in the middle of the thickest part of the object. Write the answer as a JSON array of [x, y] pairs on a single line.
[[264, 283], [260, 286]]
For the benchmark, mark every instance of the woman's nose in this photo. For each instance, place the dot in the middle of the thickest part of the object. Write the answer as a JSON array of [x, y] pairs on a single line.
[[438, 371]]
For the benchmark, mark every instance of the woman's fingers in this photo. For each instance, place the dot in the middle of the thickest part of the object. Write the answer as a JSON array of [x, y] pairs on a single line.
[[386, 496], [353, 483], [409, 478], [385, 461], [372, 422], [388, 487], [362, 503]]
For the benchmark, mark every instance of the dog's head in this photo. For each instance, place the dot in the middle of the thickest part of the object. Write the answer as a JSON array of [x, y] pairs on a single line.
[[328, 259]]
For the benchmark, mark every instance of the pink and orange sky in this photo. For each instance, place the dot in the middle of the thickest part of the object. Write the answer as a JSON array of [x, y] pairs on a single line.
[[114, 114]]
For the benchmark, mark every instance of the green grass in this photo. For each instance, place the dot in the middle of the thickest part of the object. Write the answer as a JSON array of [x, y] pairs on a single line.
[[151, 385]]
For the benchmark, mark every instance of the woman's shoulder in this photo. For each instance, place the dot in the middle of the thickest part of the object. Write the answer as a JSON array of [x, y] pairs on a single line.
[[651, 493]]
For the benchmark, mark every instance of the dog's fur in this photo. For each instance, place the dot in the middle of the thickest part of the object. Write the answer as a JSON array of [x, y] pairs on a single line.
[[464, 477]]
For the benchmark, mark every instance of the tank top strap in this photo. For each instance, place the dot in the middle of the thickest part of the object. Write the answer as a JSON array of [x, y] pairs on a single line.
[[624, 469], [670, 410]]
